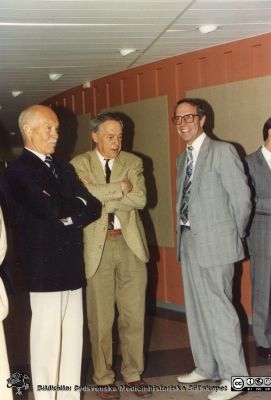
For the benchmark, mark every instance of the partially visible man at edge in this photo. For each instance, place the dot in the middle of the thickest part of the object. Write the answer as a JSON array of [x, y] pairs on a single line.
[[52, 208], [259, 243], [115, 256]]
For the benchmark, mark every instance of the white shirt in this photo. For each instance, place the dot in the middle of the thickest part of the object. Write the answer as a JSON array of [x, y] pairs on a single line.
[[196, 148], [267, 155], [110, 164], [195, 153]]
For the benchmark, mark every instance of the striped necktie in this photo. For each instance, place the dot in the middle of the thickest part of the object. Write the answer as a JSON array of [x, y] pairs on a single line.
[[187, 186], [50, 164]]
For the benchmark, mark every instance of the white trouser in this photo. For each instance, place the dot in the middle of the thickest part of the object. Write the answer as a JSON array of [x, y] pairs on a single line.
[[56, 341]]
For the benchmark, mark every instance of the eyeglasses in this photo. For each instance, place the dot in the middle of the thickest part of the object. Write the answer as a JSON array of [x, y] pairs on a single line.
[[188, 118]]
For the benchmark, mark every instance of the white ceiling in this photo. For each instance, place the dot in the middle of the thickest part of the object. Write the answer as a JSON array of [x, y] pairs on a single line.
[[82, 38]]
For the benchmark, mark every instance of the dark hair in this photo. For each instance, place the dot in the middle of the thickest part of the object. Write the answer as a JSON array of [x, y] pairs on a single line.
[[266, 127], [101, 118], [198, 103]]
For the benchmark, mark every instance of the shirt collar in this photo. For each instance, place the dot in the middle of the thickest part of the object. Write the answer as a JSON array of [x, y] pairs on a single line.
[[40, 155], [102, 159], [198, 142], [266, 153]]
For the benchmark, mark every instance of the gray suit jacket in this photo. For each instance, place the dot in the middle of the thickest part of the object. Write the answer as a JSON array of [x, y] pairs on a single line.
[[126, 167], [259, 238], [219, 204]]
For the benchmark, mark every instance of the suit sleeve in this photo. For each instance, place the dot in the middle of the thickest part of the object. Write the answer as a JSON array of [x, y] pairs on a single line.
[[110, 194], [102, 191], [136, 199], [29, 192], [234, 181], [86, 211]]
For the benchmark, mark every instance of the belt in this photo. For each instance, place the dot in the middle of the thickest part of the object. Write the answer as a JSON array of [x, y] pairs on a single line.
[[114, 233]]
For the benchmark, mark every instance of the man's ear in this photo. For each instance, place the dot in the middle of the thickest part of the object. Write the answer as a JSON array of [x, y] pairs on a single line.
[[27, 131], [202, 121], [94, 136], [269, 133]]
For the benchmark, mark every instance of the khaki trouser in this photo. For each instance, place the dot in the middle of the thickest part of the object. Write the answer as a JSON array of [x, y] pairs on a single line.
[[120, 279]]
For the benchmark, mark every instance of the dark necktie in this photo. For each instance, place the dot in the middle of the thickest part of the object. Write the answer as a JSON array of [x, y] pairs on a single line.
[[187, 186], [50, 163], [107, 179]]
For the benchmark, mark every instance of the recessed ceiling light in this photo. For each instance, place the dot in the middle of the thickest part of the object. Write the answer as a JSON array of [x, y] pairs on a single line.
[[125, 52], [54, 76], [207, 28], [16, 93]]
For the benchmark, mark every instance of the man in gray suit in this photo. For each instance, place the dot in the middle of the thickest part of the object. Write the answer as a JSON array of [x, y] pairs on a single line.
[[213, 209], [259, 240]]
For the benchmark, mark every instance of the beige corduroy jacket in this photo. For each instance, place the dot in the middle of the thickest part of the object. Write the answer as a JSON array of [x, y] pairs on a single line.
[[126, 166]]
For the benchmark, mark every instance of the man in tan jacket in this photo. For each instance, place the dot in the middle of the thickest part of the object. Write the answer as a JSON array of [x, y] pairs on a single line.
[[115, 256]]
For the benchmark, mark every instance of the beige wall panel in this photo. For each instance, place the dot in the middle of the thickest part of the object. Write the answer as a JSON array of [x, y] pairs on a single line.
[[147, 124], [240, 110]]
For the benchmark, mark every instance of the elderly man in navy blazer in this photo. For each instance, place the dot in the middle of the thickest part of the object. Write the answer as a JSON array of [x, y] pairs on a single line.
[[259, 240], [52, 209], [213, 209]]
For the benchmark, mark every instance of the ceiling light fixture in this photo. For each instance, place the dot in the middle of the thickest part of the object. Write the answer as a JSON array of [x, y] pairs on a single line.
[[16, 93], [207, 28], [125, 52], [87, 85], [54, 76]]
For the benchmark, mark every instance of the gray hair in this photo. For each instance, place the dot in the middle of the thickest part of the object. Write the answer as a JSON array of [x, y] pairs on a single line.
[[103, 117]]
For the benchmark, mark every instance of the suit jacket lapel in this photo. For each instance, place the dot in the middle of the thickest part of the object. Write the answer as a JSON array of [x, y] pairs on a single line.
[[40, 167], [117, 169], [263, 163], [199, 167], [97, 167]]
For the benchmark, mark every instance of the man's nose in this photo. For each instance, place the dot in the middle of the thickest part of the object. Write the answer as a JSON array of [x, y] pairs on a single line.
[[55, 132]]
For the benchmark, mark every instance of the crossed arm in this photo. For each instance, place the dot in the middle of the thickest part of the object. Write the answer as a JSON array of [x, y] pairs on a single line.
[[43, 202], [124, 195]]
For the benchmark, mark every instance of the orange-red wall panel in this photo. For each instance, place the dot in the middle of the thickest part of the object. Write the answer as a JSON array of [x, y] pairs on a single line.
[[244, 59]]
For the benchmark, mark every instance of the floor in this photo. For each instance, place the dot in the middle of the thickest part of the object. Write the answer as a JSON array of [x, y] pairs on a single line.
[[167, 355]]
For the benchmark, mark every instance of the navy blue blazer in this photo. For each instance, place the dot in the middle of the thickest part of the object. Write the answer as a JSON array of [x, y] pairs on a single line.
[[52, 253]]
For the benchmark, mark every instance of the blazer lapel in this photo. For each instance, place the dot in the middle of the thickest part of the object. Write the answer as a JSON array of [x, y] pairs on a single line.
[[35, 161], [97, 166], [40, 167], [117, 169]]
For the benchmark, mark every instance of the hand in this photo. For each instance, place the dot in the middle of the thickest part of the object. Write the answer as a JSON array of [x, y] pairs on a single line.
[[85, 180], [126, 186]]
